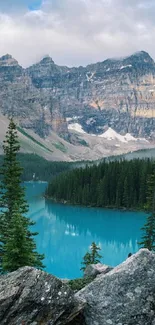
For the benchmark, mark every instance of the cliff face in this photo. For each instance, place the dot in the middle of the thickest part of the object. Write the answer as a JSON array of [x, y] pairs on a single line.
[[114, 93], [18, 96]]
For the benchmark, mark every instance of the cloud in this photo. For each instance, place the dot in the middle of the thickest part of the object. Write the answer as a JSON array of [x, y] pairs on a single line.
[[76, 32]]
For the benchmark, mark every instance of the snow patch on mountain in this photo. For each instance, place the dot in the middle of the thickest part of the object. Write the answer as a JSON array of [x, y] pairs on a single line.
[[89, 76], [76, 127], [68, 119], [142, 139], [90, 121], [129, 137], [126, 66], [111, 134]]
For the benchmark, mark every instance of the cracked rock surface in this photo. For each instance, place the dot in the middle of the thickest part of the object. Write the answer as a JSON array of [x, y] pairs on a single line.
[[125, 295], [30, 296]]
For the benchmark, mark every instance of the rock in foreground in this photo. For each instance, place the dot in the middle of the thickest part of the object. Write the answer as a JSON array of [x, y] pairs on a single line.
[[30, 296], [96, 269], [125, 295]]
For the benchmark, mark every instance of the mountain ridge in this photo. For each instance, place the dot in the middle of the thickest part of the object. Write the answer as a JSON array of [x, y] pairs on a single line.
[[115, 93], [47, 57]]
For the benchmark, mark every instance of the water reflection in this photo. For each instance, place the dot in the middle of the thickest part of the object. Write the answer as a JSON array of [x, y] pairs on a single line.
[[66, 232]]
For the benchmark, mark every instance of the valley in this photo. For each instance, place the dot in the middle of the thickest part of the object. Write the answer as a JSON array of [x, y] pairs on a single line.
[[77, 162]]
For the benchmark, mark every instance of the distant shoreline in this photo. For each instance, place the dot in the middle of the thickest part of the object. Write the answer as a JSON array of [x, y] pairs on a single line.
[[35, 182], [123, 209]]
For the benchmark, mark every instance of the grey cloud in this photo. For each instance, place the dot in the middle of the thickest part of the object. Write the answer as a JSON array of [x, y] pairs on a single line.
[[76, 32], [85, 16]]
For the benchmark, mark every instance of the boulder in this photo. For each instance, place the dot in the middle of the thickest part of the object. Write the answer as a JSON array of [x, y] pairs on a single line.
[[30, 296], [95, 269], [125, 295]]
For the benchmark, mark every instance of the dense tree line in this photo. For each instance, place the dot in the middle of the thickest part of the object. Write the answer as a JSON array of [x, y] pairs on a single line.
[[110, 184], [43, 169], [148, 230]]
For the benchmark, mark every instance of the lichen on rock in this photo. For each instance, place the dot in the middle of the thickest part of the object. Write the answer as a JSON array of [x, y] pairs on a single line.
[[29, 295], [125, 295]]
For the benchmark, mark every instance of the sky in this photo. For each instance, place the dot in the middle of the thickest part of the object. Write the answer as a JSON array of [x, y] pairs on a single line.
[[76, 32]]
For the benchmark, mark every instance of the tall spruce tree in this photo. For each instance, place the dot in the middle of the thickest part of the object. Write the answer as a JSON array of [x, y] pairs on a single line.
[[17, 245], [148, 238], [92, 257]]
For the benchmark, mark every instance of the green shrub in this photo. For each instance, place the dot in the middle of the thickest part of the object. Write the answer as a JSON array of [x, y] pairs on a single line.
[[78, 284]]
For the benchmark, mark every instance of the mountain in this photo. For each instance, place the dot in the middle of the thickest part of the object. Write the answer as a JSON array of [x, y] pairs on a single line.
[[82, 105], [30, 142], [54, 148]]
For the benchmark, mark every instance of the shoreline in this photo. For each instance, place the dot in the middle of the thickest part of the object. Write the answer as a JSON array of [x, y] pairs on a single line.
[[123, 209]]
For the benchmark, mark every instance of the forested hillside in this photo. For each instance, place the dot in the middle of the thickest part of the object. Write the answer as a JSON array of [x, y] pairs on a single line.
[[43, 169], [115, 184]]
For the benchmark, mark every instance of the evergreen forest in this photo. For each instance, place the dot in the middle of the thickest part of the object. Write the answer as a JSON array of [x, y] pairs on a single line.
[[43, 169], [115, 184]]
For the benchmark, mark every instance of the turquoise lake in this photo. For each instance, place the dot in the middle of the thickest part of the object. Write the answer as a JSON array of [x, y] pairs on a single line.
[[66, 232]]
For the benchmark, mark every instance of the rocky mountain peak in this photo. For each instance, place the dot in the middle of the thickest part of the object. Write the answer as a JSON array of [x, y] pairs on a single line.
[[8, 60], [46, 60], [44, 68], [139, 61], [42, 72], [140, 57]]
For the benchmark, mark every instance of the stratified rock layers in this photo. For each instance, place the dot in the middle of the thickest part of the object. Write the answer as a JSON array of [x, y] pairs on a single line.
[[113, 93]]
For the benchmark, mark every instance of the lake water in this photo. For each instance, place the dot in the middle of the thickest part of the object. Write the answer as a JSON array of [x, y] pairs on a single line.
[[66, 232]]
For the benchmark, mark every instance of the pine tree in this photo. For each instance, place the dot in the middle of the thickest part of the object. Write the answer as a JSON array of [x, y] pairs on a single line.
[[126, 193], [86, 261], [17, 245], [94, 253], [148, 238], [92, 257]]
